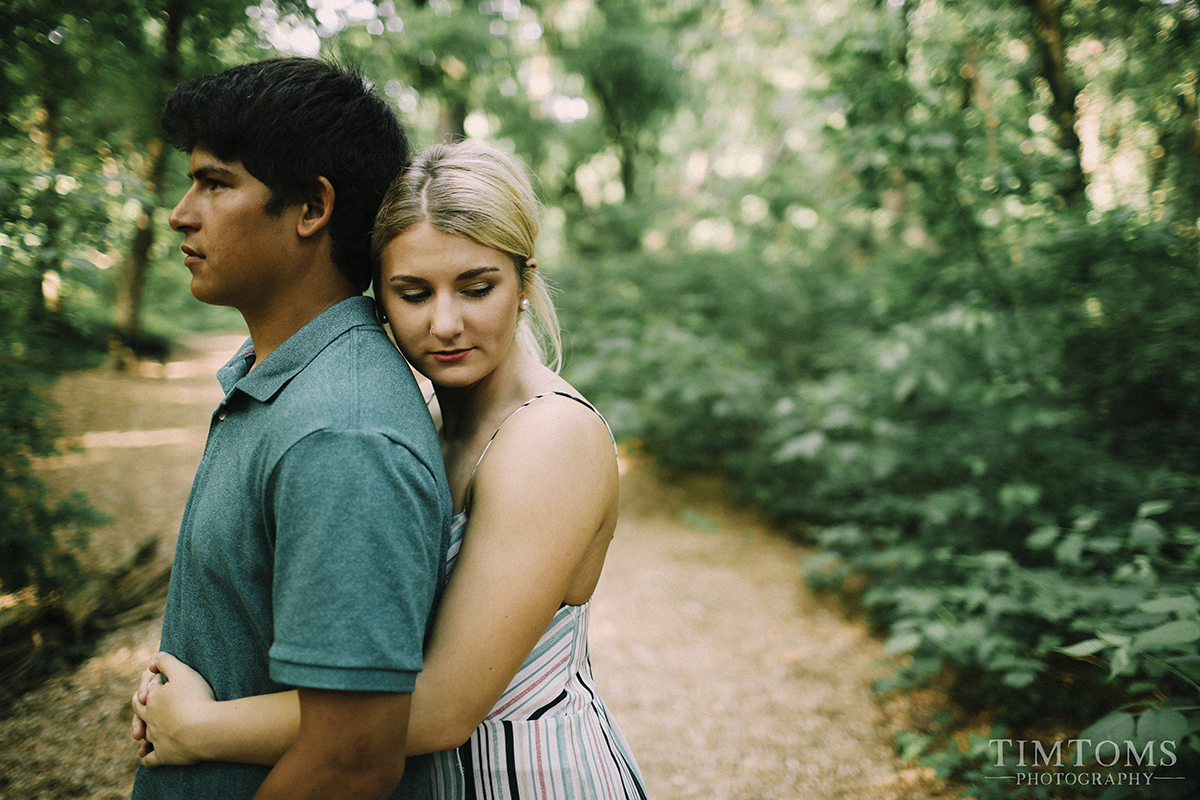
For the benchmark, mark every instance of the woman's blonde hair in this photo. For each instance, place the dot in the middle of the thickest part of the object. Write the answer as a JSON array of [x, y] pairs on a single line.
[[472, 190]]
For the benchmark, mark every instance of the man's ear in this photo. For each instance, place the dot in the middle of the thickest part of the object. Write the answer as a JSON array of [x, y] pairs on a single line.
[[317, 208]]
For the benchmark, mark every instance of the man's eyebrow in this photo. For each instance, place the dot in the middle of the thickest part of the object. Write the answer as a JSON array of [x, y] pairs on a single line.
[[209, 171]]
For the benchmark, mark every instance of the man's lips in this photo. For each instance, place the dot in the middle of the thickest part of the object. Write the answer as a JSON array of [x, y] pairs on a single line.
[[191, 256], [450, 356]]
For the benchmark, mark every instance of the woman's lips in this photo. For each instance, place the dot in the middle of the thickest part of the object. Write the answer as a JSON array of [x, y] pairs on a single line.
[[450, 356]]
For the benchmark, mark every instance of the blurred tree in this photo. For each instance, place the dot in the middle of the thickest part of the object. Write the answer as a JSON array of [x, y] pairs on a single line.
[[628, 65], [449, 55], [1141, 60], [81, 74], [459, 59], [166, 66], [175, 29], [1051, 42], [76, 78]]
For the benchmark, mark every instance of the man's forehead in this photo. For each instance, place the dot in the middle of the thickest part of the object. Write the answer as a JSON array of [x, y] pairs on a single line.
[[203, 160]]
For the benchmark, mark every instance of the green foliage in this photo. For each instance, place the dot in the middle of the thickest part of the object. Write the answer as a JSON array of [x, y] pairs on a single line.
[[38, 535], [859, 276], [983, 405], [1132, 357], [631, 75], [958, 454], [33, 552], [73, 84]]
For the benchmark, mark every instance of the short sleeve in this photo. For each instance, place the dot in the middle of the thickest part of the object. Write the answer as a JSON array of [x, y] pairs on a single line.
[[358, 528]]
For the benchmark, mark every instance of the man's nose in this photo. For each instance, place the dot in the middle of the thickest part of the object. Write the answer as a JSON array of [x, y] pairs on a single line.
[[183, 215]]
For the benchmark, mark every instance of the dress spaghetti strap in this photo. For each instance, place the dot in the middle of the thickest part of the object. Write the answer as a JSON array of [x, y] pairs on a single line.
[[528, 402], [550, 736]]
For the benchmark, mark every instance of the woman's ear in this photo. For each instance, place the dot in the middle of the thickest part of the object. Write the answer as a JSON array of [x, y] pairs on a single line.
[[318, 207]]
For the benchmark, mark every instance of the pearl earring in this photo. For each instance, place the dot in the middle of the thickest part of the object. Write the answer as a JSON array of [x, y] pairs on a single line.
[[524, 304]]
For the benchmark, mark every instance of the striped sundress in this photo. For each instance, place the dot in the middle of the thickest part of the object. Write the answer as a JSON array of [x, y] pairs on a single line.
[[550, 736]]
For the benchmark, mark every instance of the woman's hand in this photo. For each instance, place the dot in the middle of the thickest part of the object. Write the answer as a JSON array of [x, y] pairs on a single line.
[[170, 708]]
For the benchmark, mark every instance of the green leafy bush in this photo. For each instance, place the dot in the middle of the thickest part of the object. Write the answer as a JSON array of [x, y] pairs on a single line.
[[40, 535], [1022, 522]]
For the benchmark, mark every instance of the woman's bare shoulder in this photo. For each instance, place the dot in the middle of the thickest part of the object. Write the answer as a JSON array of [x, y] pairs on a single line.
[[558, 431]]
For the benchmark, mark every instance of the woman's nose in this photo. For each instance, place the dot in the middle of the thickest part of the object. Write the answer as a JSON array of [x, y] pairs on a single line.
[[447, 321]]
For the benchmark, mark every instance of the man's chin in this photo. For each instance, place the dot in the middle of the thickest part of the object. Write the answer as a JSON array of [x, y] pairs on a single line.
[[208, 295]]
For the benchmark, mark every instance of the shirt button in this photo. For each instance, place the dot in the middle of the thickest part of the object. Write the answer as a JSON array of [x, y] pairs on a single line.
[[221, 415]]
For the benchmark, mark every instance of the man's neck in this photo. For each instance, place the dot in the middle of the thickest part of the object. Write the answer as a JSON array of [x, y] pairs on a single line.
[[272, 326]]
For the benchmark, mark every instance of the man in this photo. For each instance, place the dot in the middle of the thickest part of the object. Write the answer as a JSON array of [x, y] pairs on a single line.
[[314, 534]]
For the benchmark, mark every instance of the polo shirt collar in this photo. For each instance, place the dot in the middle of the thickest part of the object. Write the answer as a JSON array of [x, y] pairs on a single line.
[[293, 355]]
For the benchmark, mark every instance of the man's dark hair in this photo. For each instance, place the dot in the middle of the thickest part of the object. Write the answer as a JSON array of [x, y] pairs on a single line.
[[290, 120]]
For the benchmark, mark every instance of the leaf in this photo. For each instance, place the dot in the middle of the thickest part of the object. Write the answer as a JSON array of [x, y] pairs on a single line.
[[1115, 727], [1152, 507], [1162, 725], [902, 643], [1119, 598], [995, 559], [1019, 679], [1115, 639], [1086, 521], [805, 446], [1105, 544], [905, 386], [1142, 687], [1178, 633], [910, 745], [1085, 648], [1146, 533], [1120, 662], [1070, 550], [1042, 538], [1183, 604], [1016, 496]]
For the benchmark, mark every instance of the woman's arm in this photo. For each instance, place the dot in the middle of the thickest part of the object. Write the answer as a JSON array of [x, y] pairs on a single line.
[[544, 503], [179, 722]]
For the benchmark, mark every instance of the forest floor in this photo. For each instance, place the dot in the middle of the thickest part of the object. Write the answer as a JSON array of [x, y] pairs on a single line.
[[730, 679]]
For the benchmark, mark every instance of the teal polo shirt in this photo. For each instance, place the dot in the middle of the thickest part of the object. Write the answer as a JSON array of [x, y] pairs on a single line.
[[313, 541]]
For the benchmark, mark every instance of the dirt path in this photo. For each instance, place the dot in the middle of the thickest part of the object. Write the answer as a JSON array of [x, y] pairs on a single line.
[[730, 680]]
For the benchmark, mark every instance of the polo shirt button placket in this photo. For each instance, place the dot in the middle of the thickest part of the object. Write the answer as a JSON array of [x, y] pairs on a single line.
[[221, 414]]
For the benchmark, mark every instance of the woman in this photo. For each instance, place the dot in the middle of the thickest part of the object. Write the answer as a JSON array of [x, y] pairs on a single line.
[[532, 470]]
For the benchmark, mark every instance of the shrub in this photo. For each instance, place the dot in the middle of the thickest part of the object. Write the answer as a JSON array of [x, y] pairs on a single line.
[[1009, 474]]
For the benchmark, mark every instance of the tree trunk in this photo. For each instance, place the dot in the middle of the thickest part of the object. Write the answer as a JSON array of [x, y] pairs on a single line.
[[1048, 26], [48, 138], [452, 119], [128, 312], [127, 315], [628, 165], [976, 94], [1187, 180]]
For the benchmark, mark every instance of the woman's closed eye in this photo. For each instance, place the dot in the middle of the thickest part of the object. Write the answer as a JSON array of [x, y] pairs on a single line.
[[414, 296], [479, 290]]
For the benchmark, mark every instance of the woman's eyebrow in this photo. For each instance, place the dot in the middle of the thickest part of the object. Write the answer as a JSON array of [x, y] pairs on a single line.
[[475, 273], [462, 276]]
